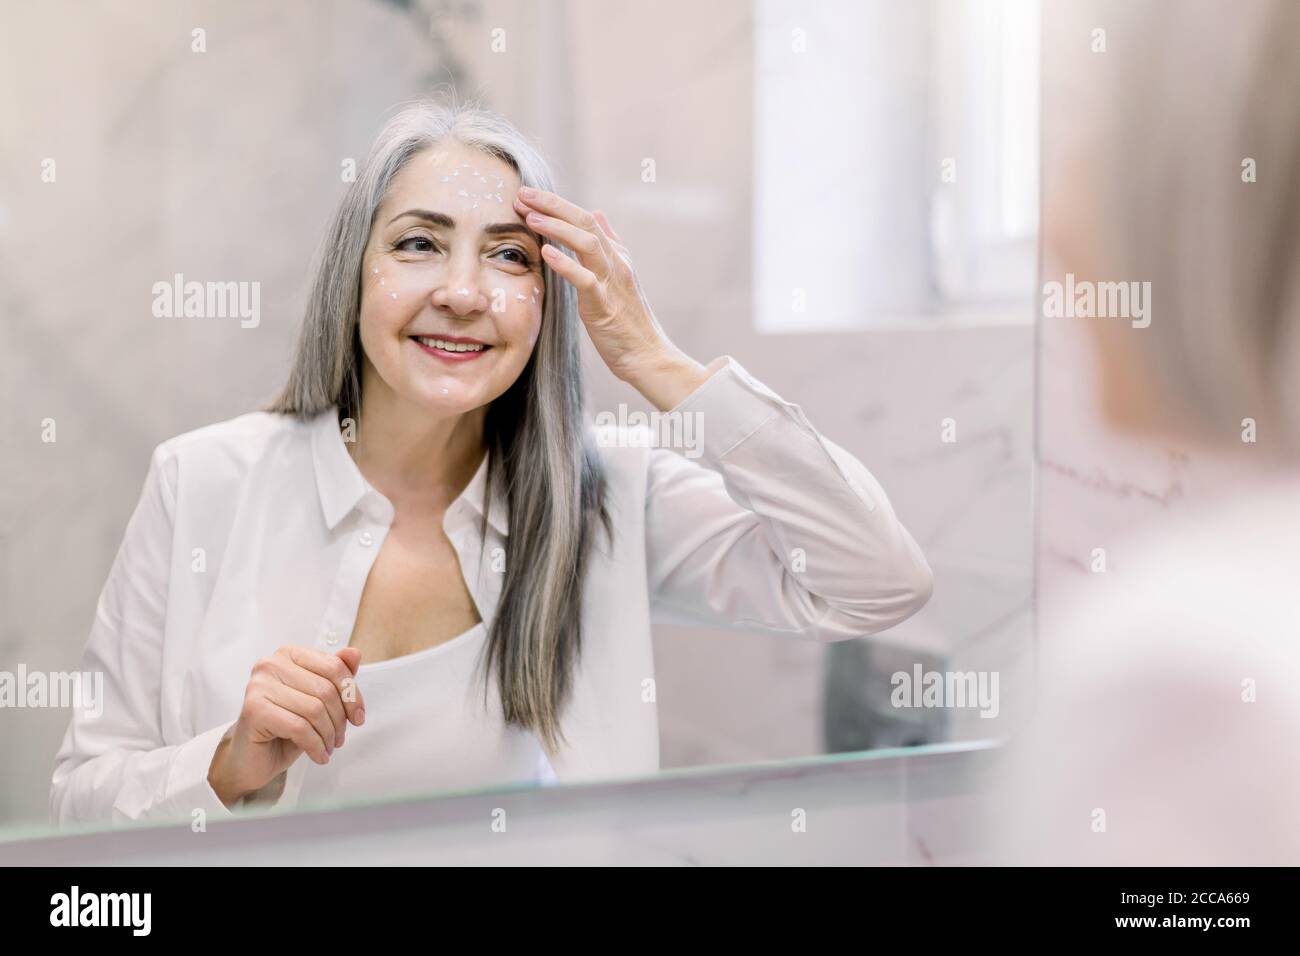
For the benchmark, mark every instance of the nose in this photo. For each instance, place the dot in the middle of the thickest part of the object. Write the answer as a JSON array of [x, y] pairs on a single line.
[[458, 290]]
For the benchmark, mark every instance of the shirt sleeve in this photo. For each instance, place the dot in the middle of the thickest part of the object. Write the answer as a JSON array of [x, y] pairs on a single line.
[[772, 526], [113, 765]]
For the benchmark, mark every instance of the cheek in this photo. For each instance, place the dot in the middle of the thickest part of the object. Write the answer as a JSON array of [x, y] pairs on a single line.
[[517, 312], [526, 325], [381, 290], [381, 316]]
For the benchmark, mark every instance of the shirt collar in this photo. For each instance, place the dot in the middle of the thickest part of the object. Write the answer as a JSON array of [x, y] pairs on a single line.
[[342, 486]]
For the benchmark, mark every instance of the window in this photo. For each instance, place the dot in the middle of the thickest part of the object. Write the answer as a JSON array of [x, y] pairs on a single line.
[[895, 162]]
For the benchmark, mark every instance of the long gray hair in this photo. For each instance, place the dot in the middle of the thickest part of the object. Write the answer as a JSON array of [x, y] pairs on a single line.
[[1198, 93], [540, 455]]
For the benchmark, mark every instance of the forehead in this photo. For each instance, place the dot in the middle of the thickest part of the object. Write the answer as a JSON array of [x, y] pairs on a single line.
[[452, 178]]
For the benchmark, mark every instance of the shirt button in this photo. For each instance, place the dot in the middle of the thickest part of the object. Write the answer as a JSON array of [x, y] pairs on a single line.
[[366, 539], [331, 637]]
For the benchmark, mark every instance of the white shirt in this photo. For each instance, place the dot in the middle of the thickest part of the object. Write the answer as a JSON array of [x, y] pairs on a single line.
[[1167, 717], [260, 531], [427, 729]]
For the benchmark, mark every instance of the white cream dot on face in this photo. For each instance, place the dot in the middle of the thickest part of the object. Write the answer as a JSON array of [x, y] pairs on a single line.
[[393, 294], [375, 270], [445, 390], [381, 280], [463, 291]]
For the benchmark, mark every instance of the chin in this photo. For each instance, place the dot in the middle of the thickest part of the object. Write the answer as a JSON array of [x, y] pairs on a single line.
[[457, 399]]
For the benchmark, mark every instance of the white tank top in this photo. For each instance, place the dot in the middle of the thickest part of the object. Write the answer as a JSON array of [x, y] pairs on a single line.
[[427, 729]]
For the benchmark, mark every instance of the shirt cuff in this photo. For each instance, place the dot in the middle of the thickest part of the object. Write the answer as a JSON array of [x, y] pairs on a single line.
[[732, 405], [187, 781]]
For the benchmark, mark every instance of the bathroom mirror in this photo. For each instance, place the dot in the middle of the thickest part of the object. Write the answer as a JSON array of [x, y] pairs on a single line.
[[842, 196]]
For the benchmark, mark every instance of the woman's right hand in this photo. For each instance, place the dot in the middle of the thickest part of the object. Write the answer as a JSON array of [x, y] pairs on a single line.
[[297, 700]]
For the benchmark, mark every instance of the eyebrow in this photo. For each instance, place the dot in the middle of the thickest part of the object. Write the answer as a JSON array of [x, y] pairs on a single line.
[[446, 222]]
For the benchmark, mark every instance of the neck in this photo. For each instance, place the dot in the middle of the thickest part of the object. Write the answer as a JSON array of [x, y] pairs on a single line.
[[409, 453]]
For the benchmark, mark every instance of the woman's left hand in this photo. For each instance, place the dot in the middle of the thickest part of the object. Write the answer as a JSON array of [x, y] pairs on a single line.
[[610, 301]]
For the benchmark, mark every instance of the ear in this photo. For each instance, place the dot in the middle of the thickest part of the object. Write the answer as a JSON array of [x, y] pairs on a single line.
[[1068, 223], [1071, 237]]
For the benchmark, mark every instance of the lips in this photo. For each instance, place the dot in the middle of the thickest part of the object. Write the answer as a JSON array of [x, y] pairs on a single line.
[[452, 343], [451, 348]]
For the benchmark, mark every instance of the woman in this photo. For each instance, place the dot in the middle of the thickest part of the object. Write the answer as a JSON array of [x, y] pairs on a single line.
[[1167, 728], [424, 497]]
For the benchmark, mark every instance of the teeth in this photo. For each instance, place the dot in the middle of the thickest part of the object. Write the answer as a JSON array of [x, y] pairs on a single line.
[[450, 346]]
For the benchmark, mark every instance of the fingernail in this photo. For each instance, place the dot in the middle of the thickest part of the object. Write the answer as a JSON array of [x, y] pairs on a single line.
[[527, 192], [361, 715]]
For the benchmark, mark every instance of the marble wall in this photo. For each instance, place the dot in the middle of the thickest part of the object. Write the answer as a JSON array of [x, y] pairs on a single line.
[[225, 164]]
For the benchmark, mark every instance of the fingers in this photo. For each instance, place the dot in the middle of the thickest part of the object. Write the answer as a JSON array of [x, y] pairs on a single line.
[[582, 278], [352, 657], [336, 670], [560, 220], [287, 725], [308, 685], [553, 205], [304, 697], [604, 224], [309, 708], [588, 245]]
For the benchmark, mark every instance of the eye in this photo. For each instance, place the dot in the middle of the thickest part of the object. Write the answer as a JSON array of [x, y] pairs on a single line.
[[416, 244], [521, 257]]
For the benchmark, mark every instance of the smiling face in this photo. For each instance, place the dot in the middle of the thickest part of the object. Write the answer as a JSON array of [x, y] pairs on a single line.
[[449, 260]]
